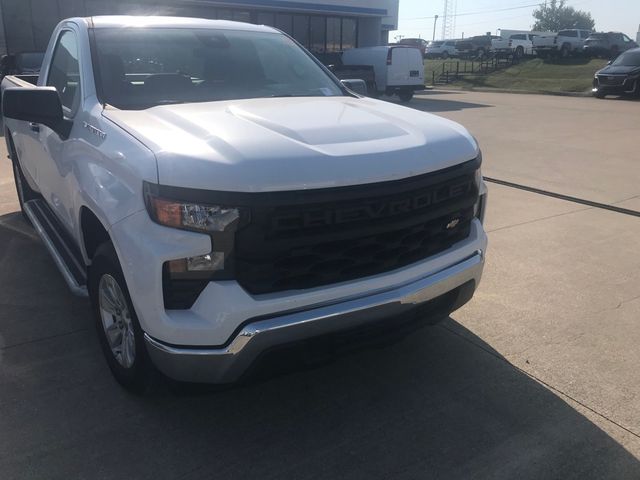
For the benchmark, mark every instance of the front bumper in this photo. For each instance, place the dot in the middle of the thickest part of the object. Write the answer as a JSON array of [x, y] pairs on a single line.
[[228, 362], [627, 86]]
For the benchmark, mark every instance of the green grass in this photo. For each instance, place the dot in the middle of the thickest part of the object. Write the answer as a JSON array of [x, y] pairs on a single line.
[[536, 75]]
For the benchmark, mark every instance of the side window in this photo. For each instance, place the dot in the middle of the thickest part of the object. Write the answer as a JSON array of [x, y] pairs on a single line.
[[64, 73]]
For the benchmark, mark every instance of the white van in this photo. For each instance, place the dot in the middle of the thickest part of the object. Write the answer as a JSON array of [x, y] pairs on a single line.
[[399, 69]]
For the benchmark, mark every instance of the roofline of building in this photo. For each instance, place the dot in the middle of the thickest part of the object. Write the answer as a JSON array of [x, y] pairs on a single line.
[[301, 6]]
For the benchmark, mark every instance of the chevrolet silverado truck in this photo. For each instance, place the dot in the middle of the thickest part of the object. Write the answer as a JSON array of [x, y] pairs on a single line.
[[478, 47], [217, 193], [562, 44]]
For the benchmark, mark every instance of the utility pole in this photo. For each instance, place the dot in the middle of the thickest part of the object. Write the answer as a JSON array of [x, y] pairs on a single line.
[[435, 21]]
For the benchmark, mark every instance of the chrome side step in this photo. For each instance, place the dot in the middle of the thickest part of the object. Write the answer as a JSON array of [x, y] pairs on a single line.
[[65, 253]]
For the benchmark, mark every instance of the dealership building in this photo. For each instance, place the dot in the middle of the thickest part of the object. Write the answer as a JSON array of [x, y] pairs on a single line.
[[322, 26]]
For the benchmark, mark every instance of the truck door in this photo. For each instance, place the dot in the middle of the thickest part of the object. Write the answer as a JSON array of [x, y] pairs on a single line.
[[53, 161], [27, 144]]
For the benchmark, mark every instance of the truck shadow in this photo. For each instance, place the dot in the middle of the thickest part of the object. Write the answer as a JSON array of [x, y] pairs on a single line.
[[439, 105], [439, 404]]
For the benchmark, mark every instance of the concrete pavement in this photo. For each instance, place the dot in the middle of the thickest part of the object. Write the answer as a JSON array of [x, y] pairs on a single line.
[[536, 378], [582, 147]]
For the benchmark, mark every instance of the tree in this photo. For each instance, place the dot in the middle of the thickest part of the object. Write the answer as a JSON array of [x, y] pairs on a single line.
[[557, 16]]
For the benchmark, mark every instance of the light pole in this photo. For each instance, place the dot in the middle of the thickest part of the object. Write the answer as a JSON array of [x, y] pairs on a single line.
[[435, 21]]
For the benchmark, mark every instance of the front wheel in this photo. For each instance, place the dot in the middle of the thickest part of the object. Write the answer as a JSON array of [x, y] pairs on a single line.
[[599, 94], [119, 331], [445, 55], [405, 96]]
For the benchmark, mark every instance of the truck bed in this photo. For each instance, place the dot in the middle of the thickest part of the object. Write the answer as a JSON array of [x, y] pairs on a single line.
[[19, 81]]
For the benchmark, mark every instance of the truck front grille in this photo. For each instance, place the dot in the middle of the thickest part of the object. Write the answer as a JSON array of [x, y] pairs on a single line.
[[305, 239], [611, 80]]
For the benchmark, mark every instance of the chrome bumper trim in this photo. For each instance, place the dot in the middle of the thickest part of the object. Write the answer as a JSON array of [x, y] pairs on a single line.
[[227, 363]]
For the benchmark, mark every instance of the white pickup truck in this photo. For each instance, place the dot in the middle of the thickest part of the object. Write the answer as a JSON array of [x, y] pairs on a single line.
[[217, 193], [564, 43]]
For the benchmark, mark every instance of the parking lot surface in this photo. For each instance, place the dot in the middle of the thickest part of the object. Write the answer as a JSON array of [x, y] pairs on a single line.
[[536, 378]]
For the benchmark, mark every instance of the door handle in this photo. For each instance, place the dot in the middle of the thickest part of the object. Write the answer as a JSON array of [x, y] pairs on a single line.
[[34, 127]]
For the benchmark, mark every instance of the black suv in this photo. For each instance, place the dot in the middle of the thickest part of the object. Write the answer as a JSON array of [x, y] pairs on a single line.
[[479, 46], [609, 44], [621, 76]]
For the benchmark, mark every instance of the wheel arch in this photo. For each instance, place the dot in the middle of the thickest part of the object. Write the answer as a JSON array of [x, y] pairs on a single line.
[[93, 232]]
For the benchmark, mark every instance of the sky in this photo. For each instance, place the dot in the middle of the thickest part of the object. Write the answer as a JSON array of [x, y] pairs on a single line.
[[476, 17]]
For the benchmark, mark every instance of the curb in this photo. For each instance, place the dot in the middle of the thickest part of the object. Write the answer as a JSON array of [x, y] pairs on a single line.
[[522, 92]]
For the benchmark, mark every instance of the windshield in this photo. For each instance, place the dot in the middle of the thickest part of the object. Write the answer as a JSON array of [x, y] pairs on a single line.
[[436, 44], [628, 59], [142, 68]]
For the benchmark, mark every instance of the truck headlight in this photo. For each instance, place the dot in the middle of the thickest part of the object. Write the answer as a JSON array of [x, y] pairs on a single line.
[[185, 278], [192, 216]]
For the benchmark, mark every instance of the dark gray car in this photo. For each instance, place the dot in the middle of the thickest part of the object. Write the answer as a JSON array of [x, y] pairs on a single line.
[[608, 45], [620, 77]]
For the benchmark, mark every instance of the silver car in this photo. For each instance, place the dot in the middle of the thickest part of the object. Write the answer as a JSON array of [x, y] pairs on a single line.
[[441, 49]]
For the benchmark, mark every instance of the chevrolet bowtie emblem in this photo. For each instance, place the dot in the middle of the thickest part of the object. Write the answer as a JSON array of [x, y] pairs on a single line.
[[453, 223]]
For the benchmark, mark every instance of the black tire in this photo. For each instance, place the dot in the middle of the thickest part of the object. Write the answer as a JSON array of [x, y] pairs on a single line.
[[24, 191], [481, 53], [565, 51], [519, 52], [141, 374], [405, 96], [445, 55], [599, 95]]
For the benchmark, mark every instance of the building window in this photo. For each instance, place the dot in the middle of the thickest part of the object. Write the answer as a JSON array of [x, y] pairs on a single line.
[[265, 18], [284, 22], [225, 14], [242, 16], [301, 29], [318, 34], [334, 34], [349, 33]]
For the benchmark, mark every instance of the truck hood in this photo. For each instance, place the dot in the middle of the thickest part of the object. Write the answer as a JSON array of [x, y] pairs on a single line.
[[276, 144]]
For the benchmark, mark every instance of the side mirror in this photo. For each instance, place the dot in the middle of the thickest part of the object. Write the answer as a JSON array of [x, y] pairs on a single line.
[[36, 105], [356, 85]]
